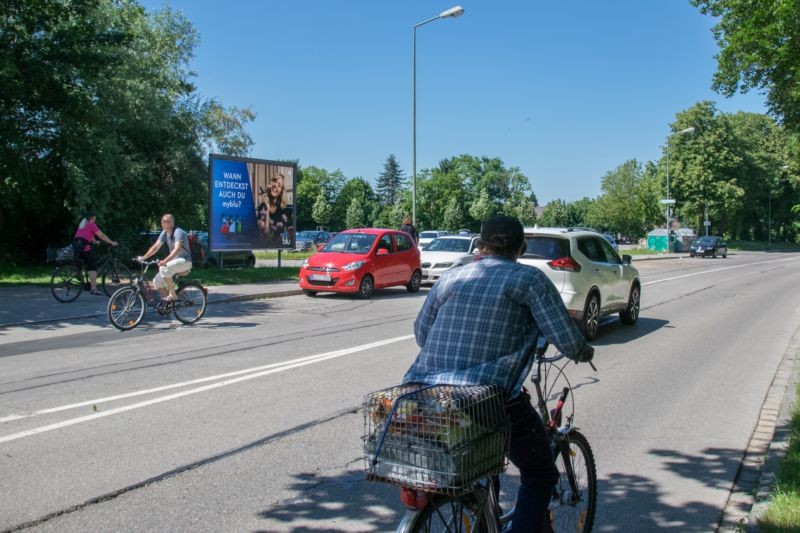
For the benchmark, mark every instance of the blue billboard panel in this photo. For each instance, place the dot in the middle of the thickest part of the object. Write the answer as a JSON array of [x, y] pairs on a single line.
[[251, 204]]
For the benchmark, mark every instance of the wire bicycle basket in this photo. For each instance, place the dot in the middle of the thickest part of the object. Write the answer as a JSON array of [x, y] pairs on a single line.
[[438, 438]]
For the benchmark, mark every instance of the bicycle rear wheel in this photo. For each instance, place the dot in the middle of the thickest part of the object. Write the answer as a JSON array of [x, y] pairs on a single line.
[[126, 308], [574, 509], [191, 303], [66, 283], [115, 276], [450, 515]]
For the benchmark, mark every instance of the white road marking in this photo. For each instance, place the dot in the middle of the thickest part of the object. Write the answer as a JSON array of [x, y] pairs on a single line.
[[720, 269], [250, 373]]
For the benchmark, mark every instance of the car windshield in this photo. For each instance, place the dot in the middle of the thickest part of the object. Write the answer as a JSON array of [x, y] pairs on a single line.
[[707, 241], [546, 248], [428, 235], [351, 243], [448, 245], [306, 235]]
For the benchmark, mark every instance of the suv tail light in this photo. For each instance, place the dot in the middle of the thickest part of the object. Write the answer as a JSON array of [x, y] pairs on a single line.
[[565, 264]]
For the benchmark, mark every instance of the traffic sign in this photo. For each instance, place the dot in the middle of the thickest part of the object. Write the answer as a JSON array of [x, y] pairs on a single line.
[[667, 201], [706, 222]]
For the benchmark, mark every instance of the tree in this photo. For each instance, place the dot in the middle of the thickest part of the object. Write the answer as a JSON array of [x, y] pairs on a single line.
[[554, 214], [322, 210], [482, 208], [578, 212], [759, 49], [354, 189], [355, 215], [521, 208], [311, 181], [98, 110], [390, 182], [453, 216]]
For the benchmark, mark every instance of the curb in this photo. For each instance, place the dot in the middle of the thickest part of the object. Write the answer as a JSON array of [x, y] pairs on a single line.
[[755, 477], [257, 296], [790, 372]]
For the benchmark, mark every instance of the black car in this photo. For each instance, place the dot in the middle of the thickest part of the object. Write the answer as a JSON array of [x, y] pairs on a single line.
[[709, 246], [241, 258]]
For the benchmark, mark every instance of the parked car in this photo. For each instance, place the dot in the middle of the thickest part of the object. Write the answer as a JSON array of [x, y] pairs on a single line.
[[709, 246], [444, 253], [610, 238], [427, 236], [362, 260], [241, 258], [306, 240], [625, 239], [591, 277]]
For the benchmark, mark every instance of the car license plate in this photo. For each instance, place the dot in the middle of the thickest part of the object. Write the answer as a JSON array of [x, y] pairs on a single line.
[[319, 277]]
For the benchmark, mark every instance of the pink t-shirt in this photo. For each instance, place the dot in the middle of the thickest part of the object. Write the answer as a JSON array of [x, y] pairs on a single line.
[[88, 231]]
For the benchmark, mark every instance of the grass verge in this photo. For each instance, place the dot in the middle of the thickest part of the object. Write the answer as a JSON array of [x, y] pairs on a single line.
[[284, 255], [40, 275], [783, 513], [761, 246]]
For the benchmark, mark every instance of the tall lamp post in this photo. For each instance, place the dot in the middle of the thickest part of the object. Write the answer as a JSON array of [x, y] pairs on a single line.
[[667, 201], [769, 212], [456, 11]]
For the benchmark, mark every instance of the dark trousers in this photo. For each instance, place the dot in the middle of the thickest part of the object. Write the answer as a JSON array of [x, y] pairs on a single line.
[[530, 453]]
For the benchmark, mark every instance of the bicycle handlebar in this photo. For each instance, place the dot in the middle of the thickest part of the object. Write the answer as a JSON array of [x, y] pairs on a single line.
[[541, 347]]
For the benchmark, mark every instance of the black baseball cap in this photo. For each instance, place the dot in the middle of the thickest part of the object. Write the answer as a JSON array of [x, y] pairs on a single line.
[[503, 231], [89, 214]]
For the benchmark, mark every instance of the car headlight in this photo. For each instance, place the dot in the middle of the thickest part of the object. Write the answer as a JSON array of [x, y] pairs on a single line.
[[355, 265], [305, 263], [444, 265]]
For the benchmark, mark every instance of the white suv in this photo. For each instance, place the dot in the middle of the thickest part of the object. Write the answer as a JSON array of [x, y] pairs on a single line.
[[590, 275]]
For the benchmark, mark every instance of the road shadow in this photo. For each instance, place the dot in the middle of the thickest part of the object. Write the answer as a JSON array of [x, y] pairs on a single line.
[[629, 502], [392, 293], [343, 502], [613, 331]]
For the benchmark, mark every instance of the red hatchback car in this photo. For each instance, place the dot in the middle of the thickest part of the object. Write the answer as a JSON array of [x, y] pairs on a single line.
[[362, 260]]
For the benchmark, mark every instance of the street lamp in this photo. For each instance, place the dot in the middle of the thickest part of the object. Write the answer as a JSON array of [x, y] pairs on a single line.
[[667, 201], [453, 12]]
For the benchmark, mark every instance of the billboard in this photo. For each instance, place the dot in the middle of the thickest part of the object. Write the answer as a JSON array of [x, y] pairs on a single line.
[[251, 204]]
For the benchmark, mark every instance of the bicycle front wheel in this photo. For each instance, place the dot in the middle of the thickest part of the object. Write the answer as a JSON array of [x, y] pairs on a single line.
[[66, 284], [126, 308], [191, 303], [115, 276], [573, 505], [449, 515]]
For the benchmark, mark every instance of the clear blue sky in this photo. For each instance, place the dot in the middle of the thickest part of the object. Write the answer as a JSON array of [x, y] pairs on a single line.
[[564, 90]]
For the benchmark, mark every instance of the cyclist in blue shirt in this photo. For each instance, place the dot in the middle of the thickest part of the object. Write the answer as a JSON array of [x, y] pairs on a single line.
[[477, 327]]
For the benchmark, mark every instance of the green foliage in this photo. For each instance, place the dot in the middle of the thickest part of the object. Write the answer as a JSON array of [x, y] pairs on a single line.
[[454, 217], [360, 191], [555, 214], [390, 182], [355, 215], [734, 165], [759, 49], [623, 208], [322, 210], [482, 208], [98, 111]]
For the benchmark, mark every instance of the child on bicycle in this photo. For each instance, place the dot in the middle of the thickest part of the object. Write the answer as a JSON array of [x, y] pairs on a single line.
[[82, 245], [476, 328], [179, 260]]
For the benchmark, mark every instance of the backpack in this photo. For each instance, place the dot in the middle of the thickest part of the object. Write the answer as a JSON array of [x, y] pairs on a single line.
[[195, 249]]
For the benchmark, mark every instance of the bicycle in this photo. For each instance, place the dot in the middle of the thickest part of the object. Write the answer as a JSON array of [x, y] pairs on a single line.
[[434, 504], [127, 305], [71, 278]]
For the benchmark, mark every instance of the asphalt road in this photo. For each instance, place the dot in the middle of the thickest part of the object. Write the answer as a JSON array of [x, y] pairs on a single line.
[[249, 421]]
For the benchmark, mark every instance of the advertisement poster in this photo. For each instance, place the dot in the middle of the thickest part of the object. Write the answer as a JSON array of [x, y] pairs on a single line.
[[251, 204]]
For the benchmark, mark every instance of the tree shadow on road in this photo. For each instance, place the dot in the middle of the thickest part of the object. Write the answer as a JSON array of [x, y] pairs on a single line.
[[343, 502]]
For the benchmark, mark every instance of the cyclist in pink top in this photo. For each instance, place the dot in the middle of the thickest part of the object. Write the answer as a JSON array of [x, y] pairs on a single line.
[[82, 244]]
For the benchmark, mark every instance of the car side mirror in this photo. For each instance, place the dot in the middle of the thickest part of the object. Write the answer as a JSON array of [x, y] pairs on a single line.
[[476, 251], [626, 259], [382, 251], [320, 247]]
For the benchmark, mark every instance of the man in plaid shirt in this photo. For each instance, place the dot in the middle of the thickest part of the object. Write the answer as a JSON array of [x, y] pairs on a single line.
[[478, 326]]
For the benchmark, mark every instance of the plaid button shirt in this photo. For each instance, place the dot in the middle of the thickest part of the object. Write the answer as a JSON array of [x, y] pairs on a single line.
[[479, 322]]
